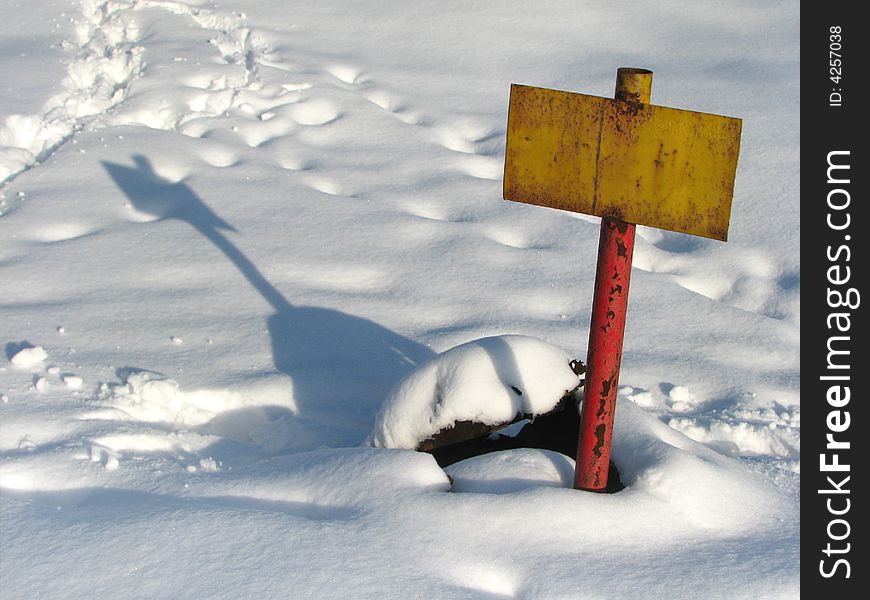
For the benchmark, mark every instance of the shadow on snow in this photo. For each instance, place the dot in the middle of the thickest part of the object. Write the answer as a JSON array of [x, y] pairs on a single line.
[[342, 366]]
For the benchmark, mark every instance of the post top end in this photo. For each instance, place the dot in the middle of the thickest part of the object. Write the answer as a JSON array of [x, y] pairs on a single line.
[[634, 71], [633, 85]]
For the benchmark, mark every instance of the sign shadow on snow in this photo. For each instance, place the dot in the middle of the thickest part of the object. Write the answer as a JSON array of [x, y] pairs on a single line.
[[338, 363]]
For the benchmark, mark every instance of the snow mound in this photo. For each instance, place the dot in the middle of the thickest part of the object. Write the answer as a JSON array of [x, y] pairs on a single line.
[[29, 357], [710, 490], [489, 380], [671, 481], [511, 471], [151, 397]]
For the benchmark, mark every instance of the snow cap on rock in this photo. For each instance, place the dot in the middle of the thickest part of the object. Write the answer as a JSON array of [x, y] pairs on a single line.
[[489, 380], [29, 357]]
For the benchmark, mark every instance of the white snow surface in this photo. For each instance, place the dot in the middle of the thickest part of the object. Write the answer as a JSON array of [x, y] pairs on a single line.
[[491, 380], [232, 228]]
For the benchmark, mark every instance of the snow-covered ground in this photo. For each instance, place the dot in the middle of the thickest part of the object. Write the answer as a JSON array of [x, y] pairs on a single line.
[[228, 230]]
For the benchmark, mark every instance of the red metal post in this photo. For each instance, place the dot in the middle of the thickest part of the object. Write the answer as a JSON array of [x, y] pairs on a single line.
[[609, 304], [604, 354]]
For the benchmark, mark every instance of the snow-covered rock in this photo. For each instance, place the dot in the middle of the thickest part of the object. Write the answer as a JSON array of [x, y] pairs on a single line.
[[29, 357], [490, 381]]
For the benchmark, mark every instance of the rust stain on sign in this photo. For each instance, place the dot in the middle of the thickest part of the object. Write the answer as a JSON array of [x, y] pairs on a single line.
[[650, 165]]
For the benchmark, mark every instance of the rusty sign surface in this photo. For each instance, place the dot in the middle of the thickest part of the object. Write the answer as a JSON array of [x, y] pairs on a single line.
[[644, 164]]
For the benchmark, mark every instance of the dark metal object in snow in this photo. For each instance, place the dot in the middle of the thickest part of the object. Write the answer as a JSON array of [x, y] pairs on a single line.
[[556, 430]]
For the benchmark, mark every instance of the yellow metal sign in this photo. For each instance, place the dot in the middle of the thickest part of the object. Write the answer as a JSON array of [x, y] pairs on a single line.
[[641, 163]]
